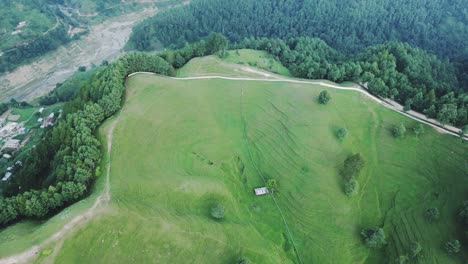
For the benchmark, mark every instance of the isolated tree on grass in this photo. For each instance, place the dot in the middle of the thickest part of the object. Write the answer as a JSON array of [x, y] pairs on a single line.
[[418, 129], [432, 214], [341, 133], [453, 246], [399, 130], [217, 212], [374, 237], [272, 185], [352, 166], [324, 97]]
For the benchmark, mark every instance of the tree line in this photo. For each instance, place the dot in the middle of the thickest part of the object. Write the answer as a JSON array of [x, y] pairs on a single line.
[[350, 26], [61, 168]]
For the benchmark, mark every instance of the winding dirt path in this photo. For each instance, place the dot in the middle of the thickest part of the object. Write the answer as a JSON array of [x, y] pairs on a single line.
[[102, 201]]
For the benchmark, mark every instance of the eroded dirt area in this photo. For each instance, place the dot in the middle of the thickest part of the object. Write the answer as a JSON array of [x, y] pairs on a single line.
[[104, 42]]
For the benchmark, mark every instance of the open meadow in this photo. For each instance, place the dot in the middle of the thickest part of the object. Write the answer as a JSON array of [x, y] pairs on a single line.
[[182, 146]]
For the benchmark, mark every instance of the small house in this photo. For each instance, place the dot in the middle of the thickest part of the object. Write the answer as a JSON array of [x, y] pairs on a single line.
[[7, 156], [261, 191], [12, 144], [41, 110]]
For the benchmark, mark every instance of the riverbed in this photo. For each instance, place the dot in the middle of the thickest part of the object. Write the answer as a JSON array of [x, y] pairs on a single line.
[[104, 42]]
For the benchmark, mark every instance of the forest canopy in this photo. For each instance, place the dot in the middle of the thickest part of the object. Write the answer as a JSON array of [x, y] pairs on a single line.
[[405, 50]]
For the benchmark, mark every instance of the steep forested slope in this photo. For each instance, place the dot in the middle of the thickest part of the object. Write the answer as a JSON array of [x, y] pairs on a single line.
[[388, 46], [351, 25]]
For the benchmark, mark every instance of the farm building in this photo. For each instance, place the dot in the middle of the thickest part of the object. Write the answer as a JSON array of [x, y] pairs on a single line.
[[261, 191], [12, 144], [10, 129]]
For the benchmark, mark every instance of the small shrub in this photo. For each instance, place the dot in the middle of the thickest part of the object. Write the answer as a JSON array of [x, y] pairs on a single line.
[[418, 129], [351, 187], [452, 246], [324, 97], [415, 249], [374, 237], [432, 214], [402, 260], [272, 185], [217, 212], [82, 68], [341, 133], [399, 130], [352, 166]]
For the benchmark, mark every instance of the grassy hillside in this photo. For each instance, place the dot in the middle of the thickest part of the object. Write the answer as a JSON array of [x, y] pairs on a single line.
[[182, 146], [171, 164]]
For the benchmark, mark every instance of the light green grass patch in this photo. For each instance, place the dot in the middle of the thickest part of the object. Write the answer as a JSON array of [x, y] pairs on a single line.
[[183, 146], [256, 58]]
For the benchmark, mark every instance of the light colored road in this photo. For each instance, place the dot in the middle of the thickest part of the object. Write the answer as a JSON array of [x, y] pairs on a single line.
[[385, 102]]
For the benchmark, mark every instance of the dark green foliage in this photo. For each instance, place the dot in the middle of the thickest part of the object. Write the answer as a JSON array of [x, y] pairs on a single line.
[[453, 246], [351, 187], [374, 237], [67, 90], [432, 214], [3, 108], [324, 97], [82, 68], [272, 185], [352, 166], [399, 130], [420, 24], [415, 249], [341, 133], [464, 214], [385, 64], [62, 166], [217, 212]]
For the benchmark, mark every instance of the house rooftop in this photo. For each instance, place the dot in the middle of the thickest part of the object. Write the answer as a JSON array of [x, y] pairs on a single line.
[[261, 191]]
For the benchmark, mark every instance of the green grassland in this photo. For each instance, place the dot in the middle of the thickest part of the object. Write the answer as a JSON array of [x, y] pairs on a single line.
[[182, 146], [230, 65]]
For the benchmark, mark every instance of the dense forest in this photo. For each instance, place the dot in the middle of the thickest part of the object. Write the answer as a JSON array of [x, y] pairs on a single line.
[[386, 46], [60, 170]]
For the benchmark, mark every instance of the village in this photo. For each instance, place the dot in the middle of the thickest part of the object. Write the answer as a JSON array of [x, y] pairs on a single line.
[[17, 128]]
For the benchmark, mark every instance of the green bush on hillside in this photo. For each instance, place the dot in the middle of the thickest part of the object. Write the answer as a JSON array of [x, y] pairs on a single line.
[[374, 237], [399, 130], [217, 212], [453, 246], [432, 214], [324, 97], [341, 133]]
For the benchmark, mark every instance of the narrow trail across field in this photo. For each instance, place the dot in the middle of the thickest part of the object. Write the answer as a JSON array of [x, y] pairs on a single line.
[[386, 102], [101, 203]]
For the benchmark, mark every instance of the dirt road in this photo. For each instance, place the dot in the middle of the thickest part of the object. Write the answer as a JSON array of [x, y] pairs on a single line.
[[384, 102]]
